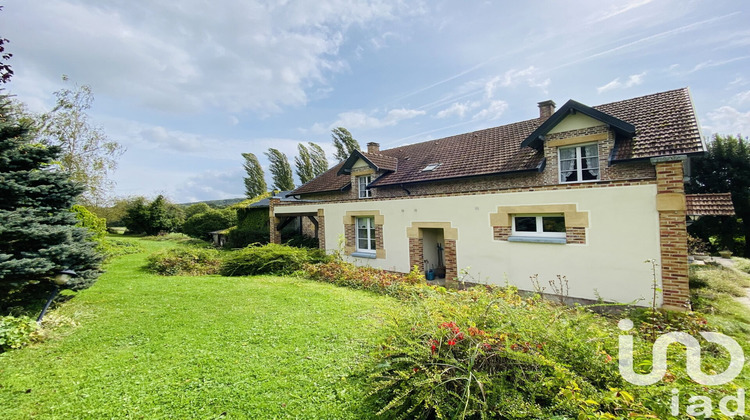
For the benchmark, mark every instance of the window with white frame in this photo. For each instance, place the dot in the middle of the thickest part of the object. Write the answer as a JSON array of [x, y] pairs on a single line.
[[366, 234], [539, 225], [579, 163], [362, 182]]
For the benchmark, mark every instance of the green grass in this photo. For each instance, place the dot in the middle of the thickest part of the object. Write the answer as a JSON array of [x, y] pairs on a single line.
[[147, 346]]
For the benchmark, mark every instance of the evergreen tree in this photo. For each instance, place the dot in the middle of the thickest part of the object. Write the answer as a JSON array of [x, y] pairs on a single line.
[[318, 158], [304, 164], [725, 168], [280, 170], [344, 143], [255, 182], [38, 233]]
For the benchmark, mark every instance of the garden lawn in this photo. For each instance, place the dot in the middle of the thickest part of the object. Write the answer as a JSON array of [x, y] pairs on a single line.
[[147, 346]]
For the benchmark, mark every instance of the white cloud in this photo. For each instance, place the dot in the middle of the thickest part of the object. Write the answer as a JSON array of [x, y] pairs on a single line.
[[212, 185], [741, 98], [178, 56], [493, 111], [728, 121], [633, 80], [616, 10], [457, 109], [714, 63], [362, 120], [530, 76]]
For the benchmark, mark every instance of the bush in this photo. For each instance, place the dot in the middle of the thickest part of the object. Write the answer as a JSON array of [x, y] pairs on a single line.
[[17, 332], [200, 225], [96, 225], [240, 237], [366, 278], [184, 261], [270, 259], [490, 353]]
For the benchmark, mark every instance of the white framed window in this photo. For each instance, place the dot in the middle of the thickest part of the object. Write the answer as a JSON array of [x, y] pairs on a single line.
[[362, 182], [539, 225], [366, 234], [579, 163]]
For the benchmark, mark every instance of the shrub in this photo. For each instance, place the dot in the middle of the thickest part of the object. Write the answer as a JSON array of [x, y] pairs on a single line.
[[96, 225], [17, 332], [270, 259], [490, 353], [201, 224], [240, 237], [375, 280], [184, 261]]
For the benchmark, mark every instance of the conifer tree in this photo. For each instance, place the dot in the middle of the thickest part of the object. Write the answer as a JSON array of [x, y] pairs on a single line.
[[304, 164], [38, 233]]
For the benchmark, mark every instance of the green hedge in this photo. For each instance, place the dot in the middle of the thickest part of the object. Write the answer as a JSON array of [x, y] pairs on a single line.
[[184, 261]]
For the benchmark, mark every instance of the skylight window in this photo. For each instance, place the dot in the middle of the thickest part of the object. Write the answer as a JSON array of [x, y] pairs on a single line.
[[430, 167]]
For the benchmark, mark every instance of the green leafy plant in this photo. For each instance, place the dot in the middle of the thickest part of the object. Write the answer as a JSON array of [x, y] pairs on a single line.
[[184, 261], [17, 332], [376, 280], [270, 259]]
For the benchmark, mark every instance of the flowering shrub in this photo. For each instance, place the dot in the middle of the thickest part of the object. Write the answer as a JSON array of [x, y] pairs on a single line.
[[184, 261], [366, 278], [490, 353]]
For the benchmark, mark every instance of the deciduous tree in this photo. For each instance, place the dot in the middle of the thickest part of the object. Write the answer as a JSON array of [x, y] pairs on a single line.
[[5, 71], [725, 168], [303, 162], [344, 143], [255, 182], [280, 170], [87, 153], [153, 218], [318, 158]]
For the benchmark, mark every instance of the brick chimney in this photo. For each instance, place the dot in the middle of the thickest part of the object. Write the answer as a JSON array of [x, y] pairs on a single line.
[[546, 109], [373, 147]]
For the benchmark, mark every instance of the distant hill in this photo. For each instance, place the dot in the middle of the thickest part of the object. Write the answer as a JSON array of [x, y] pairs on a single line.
[[216, 203]]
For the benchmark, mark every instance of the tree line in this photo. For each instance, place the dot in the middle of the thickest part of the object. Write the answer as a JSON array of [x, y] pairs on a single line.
[[310, 162]]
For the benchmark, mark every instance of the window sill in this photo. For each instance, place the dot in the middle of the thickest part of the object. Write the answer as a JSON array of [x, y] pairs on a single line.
[[537, 239], [370, 255]]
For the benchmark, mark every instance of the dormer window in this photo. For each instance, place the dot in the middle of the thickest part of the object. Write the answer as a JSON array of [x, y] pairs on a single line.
[[362, 182], [430, 167], [579, 163]]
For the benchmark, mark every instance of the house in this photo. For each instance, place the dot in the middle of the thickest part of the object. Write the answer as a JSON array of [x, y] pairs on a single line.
[[588, 193]]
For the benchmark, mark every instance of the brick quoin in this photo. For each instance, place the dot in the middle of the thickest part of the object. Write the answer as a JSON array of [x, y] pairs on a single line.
[[673, 239], [275, 235]]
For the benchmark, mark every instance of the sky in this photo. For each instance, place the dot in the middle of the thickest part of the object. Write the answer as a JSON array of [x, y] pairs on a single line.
[[187, 86]]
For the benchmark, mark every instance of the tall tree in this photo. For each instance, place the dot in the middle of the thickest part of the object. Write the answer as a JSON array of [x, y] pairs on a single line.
[[87, 153], [153, 218], [344, 143], [280, 170], [318, 158], [255, 181], [303, 162], [725, 168], [5, 71], [38, 233]]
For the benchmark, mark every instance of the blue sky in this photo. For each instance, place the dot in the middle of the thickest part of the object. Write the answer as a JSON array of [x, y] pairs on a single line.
[[188, 86]]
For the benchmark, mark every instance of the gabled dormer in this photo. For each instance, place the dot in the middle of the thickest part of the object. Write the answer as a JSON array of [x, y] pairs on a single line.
[[577, 141], [364, 168]]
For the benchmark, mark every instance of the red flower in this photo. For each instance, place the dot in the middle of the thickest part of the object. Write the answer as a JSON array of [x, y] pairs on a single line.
[[460, 336], [416, 369], [451, 342], [433, 348]]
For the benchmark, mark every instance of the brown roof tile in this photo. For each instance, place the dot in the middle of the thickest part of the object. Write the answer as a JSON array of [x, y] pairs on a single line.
[[665, 125], [709, 204]]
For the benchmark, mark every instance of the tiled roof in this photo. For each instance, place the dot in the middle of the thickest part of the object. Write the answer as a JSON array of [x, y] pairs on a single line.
[[327, 181], [386, 163], [665, 125], [709, 204]]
